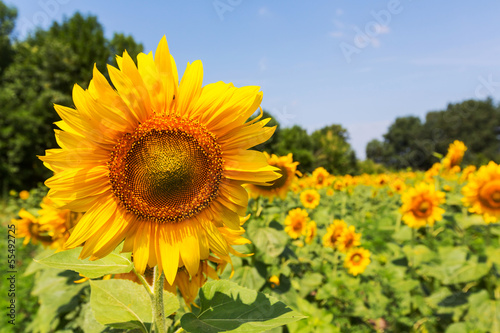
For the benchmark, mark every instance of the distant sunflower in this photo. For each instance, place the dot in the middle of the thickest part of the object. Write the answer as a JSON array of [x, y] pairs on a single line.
[[311, 232], [296, 222], [482, 193], [357, 260], [320, 177], [27, 227], [157, 163], [278, 188], [421, 205], [398, 185], [333, 233], [348, 239], [310, 198], [57, 222], [455, 154], [24, 195]]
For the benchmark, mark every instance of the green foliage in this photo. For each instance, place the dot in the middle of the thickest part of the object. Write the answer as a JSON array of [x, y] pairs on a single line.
[[228, 307], [327, 147], [409, 143], [7, 20]]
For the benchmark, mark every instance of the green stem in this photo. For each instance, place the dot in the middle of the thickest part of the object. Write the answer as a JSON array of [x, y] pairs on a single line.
[[488, 234], [157, 302], [398, 223], [144, 282], [344, 203]]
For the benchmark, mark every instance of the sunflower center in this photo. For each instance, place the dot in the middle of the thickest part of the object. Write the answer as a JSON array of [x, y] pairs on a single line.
[[356, 258], [167, 170], [489, 194], [297, 226], [423, 209], [278, 183]]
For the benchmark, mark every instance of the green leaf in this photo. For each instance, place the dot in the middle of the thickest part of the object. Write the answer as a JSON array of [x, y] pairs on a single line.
[[125, 304], [249, 277], [114, 263], [227, 307], [270, 241]]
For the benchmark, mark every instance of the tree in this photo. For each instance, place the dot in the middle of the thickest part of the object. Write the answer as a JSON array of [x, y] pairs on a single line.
[[295, 140], [332, 151], [8, 17]]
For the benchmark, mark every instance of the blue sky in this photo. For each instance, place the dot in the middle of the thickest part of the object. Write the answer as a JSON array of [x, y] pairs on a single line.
[[360, 64]]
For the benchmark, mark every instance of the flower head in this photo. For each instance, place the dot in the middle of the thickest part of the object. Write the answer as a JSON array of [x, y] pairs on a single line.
[[310, 198], [455, 155], [156, 163], [482, 193], [348, 239], [357, 260], [278, 188], [296, 222], [311, 232], [333, 233], [421, 205]]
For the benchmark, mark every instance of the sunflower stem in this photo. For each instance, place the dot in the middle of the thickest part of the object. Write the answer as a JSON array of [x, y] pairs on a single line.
[[157, 302], [144, 282]]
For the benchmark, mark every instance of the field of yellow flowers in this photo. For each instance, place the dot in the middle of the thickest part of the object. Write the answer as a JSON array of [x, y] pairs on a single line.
[[394, 252]]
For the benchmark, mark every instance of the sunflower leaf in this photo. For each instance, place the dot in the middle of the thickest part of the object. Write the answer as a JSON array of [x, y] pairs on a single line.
[[126, 305], [227, 307], [114, 263]]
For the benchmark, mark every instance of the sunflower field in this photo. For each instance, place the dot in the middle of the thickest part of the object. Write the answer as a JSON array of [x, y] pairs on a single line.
[[394, 252]]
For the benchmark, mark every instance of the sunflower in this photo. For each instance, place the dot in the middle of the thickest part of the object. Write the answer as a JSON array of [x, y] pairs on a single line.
[[27, 227], [421, 205], [310, 198], [454, 156], [311, 232], [156, 163], [296, 222], [320, 177], [57, 222], [333, 233], [482, 193], [381, 180], [274, 281], [356, 260], [278, 188], [467, 172], [398, 185], [24, 195], [348, 239]]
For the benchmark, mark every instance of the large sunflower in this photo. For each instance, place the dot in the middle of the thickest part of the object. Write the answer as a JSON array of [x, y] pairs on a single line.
[[278, 188], [421, 205], [482, 193], [157, 163]]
